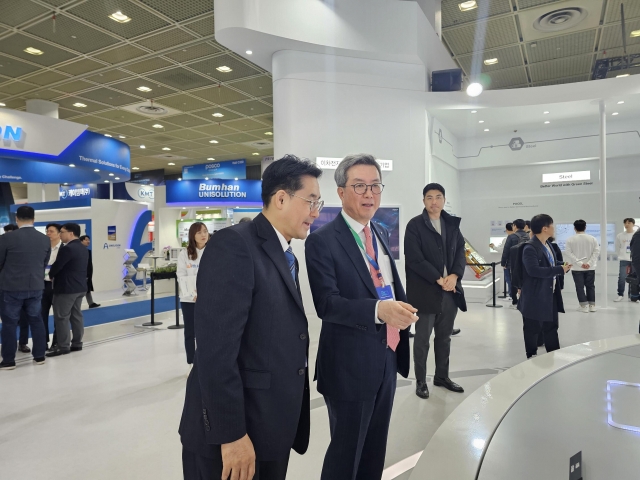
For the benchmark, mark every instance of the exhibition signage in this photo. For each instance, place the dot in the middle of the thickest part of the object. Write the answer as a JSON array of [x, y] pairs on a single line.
[[35, 148], [149, 177], [328, 163], [230, 170], [73, 192], [215, 192], [566, 177]]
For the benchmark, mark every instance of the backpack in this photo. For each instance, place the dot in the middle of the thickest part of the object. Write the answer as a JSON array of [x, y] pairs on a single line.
[[516, 262]]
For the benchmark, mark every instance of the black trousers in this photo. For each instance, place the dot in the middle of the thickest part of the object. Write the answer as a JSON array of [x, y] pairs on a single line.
[[585, 280], [188, 317], [24, 328], [443, 325], [532, 329], [359, 432], [195, 467], [47, 302]]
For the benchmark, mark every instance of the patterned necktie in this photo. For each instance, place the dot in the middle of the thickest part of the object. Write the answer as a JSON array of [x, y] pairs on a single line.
[[393, 334], [291, 258]]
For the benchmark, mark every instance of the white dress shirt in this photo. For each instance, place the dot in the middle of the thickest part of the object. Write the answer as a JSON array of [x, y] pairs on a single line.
[[623, 245], [584, 246], [52, 258], [383, 259]]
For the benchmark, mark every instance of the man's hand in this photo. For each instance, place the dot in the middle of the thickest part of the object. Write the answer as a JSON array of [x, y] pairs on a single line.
[[440, 281], [449, 283], [238, 460], [492, 246], [566, 267], [399, 315], [586, 266]]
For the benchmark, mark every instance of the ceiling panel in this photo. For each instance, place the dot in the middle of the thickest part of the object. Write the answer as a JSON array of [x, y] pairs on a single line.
[[214, 130], [507, 57], [80, 67], [15, 88], [565, 67], [110, 97], [94, 122], [244, 124], [131, 86], [122, 116], [16, 44], [484, 34], [186, 121], [239, 69], [109, 76], [257, 87], [43, 95], [561, 46], [179, 11], [10, 67], [45, 77], [190, 53], [207, 113], [612, 35], [203, 27], [149, 65], [559, 81], [220, 95], [15, 13], [180, 78], [251, 108], [167, 39], [523, 4], [182, 102], [452, 15], [631, 10], [121, 54], [90, 106], [74, 86], [511, 76]]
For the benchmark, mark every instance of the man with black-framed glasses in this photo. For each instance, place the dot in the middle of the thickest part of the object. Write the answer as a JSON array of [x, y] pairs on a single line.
[[364, 342]]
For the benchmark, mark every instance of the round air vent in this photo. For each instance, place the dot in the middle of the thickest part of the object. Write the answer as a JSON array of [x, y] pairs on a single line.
[[561, 19], [151, 110]]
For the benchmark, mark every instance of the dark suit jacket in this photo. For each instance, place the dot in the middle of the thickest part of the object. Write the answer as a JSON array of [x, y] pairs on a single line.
[[249, 374], [90, 272], [424, 261], [24, 255], [352, 350], [635, 252], [537, 297], [69, 271], [511, 241]]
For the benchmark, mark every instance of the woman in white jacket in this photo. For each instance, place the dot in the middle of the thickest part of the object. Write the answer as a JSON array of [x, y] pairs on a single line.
[[188, 262]]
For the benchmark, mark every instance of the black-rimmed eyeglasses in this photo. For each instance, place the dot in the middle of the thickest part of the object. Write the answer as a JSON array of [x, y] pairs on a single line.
[[314, 205], [361, 188]]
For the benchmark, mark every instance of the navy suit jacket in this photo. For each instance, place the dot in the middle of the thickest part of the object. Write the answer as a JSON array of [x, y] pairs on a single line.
[[249, 374], [536, 300], [351, 354], [69, 271]]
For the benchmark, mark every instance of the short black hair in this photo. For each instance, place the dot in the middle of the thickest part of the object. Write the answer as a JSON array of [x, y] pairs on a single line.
[[286, 174], [509, 226], [433, 186], [519, 224], [527, 223], [10, 227], [580, 225], [57, 226], [632, 220], [25, 212], [84, 237], [72, 228], [539, 222]]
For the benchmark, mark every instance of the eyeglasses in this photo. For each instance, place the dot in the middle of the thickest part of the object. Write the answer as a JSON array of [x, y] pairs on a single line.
[[361, 188], [314, 205]]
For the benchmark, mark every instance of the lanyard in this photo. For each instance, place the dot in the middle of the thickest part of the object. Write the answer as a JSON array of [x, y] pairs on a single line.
[[372, 261]]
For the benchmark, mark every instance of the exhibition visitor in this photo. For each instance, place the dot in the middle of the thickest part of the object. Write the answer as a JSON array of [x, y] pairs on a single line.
[[86, 241], [364, 342], [582, 251], [434, 264], [541, 295], [24, 254], [518, 236], [623, 248], [69, 276], [247, 399], [508, 229], [53, 232], [187, 272]]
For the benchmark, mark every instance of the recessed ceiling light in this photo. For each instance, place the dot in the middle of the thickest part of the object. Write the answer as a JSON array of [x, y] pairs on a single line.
[[107, 135], [79, 105], [218, 115], [33, 51], [135, 168], [491, 61], [614, 113], [545, 113], [213, 141], [144, 89], [268, 133], [481, 121], [106, 181], [249, 52], [547, 121], [211, 159], [635, 33], [255, 153], [166, 148], [474, 111], [119, 17], [623, 75], [180, 179], [96, 170], [117, 178], [236, 178], [486, 129], [121, 136], [466, 6], [206, 178], [171, 163], [620, 102], [157, 125], [72, 165], [2, 104], [66, 184], [111, 174], [224, 69]]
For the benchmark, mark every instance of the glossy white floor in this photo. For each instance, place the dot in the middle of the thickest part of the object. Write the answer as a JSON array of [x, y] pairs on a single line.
[[112, 410]]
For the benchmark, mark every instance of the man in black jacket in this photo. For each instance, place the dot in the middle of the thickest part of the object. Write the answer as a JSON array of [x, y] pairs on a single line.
[[519, 235], [69, 275], [434, 263], [24, 254], [635, 254]]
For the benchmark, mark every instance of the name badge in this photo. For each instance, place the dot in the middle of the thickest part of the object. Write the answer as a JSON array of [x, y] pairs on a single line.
[[385, 293], [628, 248]]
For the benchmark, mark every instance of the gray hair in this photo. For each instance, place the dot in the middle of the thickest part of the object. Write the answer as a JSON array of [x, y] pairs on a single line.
[[351, 161]]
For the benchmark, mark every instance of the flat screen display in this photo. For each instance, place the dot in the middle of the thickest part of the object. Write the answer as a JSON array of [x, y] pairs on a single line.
[[565, 230]]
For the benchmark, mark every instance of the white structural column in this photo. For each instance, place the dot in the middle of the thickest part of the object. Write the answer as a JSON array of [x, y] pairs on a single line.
[[43, 192], [603, 267]]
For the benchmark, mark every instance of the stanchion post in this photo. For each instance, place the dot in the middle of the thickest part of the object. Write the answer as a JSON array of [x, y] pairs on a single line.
[[504, 285], [152, 323], [177, 325], [493, 287]]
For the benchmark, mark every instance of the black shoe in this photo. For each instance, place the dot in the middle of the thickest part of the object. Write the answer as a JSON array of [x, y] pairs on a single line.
[[455, 331], [94, 305], [7, 366], [53, 347], [24, 349], [448, 384], [76, 349], [421, 390], [57, 352], [39, 361]]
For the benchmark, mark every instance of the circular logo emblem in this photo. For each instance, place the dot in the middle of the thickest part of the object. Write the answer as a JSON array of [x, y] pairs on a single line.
[[63, 194]]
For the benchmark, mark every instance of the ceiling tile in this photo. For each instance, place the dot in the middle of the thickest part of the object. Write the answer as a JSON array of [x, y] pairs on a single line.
[[15, 68], [90, 106], [207, 114], [110, 97], [180, 11], [15, 13], [258, 87], [132, 131], [203, 27], [149, 65], [109, 76], [186, 121], [239, 138], [181, 79], [559, 81], [561, 46], [46, 77], [166, 127], [94, 122], [182, 102], [43, 95], [244, 124], [612, 35], [81, 67], [484, 34], [631, 11], [239, 68], [74, 86], [565, 67], [220, 95], [193, 52], [452, 15], [251, 108], [16, 44], [214, 130], [131, 86], [523, 4], [187, 134], [122, 116], [511, 76], [15, 88], [166, 39], [121, 54]]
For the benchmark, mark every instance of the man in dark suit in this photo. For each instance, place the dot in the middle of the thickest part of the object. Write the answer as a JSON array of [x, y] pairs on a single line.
[[23, 257], [86, 241], [247, 400], [541, 296], [364, 342], [69, 275], [435, 263], [519, 235]]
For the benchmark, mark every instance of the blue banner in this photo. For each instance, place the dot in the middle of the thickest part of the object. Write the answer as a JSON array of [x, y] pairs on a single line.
[[149, 177], [240, 193], [230, 170], [73, 192]]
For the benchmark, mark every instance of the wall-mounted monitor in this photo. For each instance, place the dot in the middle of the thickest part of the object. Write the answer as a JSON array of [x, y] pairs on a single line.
[[565, 230]]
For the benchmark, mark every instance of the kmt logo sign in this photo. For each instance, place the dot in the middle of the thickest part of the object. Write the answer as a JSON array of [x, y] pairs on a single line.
[[145, 193]]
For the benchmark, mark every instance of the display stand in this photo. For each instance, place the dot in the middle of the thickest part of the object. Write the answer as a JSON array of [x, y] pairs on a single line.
[[163, 276]]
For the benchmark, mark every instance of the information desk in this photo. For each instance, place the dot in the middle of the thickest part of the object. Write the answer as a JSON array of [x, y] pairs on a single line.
[[527, 422]]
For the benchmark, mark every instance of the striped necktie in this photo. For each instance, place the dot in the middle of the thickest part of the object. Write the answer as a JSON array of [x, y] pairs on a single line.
[[291, 258]]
